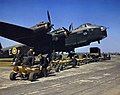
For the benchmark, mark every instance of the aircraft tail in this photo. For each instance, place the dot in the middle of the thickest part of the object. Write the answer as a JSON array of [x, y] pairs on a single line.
[[1, 49], [0, 46]]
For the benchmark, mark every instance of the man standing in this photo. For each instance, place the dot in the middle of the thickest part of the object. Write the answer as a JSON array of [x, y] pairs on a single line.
[[54, 55], [18, 58], [44, 63], [30, 56]]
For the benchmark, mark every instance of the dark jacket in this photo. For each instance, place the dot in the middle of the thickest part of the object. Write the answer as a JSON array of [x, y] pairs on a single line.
[[44, 62], [30, 53], [18, 58]]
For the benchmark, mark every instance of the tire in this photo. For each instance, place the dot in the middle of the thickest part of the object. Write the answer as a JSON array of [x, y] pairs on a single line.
[[40, 74], [32, 76], [13, 76], [78, 63]]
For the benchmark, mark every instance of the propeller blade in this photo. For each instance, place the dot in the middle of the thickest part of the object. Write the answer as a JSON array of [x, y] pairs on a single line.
[[53, 28], [68, 32], [71, 27], [48, 14], [65, 29]]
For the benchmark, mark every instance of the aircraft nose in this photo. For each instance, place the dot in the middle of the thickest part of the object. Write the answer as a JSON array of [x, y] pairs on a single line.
[[104, 31], [103, 28]]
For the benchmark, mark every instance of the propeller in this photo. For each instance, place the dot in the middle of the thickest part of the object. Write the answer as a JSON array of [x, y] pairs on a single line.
[[67, 31], [49, 19], [70, 29]]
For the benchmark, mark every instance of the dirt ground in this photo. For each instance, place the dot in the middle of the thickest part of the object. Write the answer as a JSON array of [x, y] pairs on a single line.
[[97, 78]]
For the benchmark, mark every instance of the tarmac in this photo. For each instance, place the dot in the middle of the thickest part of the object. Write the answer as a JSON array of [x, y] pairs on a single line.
[[97, 78]]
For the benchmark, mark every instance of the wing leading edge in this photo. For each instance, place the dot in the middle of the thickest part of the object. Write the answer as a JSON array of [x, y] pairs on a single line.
[[24, 35], [14, 32]]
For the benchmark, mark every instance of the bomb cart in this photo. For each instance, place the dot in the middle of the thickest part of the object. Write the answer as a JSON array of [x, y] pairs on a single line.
[[27, 72], [24, 72]]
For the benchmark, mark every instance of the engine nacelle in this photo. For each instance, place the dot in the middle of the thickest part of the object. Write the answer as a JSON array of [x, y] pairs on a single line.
[[60, 33], [59, 36], [42, 27]]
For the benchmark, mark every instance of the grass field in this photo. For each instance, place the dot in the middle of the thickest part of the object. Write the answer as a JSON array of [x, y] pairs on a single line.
[[5, 62]]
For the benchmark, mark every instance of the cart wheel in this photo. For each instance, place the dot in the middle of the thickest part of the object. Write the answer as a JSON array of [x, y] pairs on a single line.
[[32, 76], [78, 63], [40, 74], [13, 76]]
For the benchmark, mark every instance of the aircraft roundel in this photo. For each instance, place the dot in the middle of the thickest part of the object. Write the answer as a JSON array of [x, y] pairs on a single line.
[[14, 50]]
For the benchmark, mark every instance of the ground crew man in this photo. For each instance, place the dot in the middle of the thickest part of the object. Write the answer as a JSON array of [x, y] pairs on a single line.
[[18, 58], [70, 55], [59, 56], [74, 61], [44, 63], [54, 55], [30, 56]]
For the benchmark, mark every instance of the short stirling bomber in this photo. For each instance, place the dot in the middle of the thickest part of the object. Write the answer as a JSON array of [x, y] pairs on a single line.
[[81, 36], [62, 40]]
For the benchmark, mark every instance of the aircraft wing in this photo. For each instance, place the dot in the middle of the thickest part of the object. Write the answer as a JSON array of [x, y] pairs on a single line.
[[14, 32]]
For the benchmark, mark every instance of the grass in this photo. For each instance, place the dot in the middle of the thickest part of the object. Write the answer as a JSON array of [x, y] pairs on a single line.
[[5, 62]]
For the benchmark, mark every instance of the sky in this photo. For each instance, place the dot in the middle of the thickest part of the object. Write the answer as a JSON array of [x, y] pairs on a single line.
[[27, 13]]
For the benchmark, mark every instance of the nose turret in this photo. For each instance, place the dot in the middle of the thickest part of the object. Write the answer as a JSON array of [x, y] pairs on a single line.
[[103, 28], [103, 31]]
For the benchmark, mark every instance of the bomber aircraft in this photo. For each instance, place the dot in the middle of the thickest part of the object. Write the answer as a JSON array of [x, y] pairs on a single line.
[[44, 40]]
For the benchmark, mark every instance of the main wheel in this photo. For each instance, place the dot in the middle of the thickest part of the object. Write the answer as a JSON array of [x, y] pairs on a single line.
[[13, 76], [32, 76]]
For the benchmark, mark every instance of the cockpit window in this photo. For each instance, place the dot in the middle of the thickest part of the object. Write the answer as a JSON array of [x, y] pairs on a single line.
[[89, 24], [85, 25]]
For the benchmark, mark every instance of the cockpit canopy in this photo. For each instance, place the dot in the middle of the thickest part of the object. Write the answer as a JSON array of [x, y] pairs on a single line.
[[85, 25]]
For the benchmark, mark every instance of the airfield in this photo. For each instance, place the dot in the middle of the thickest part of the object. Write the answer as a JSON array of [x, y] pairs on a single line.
[[96, 78]]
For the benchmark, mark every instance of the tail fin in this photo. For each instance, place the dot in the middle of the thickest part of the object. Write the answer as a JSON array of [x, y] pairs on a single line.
[[0, 46], [1, 49]]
